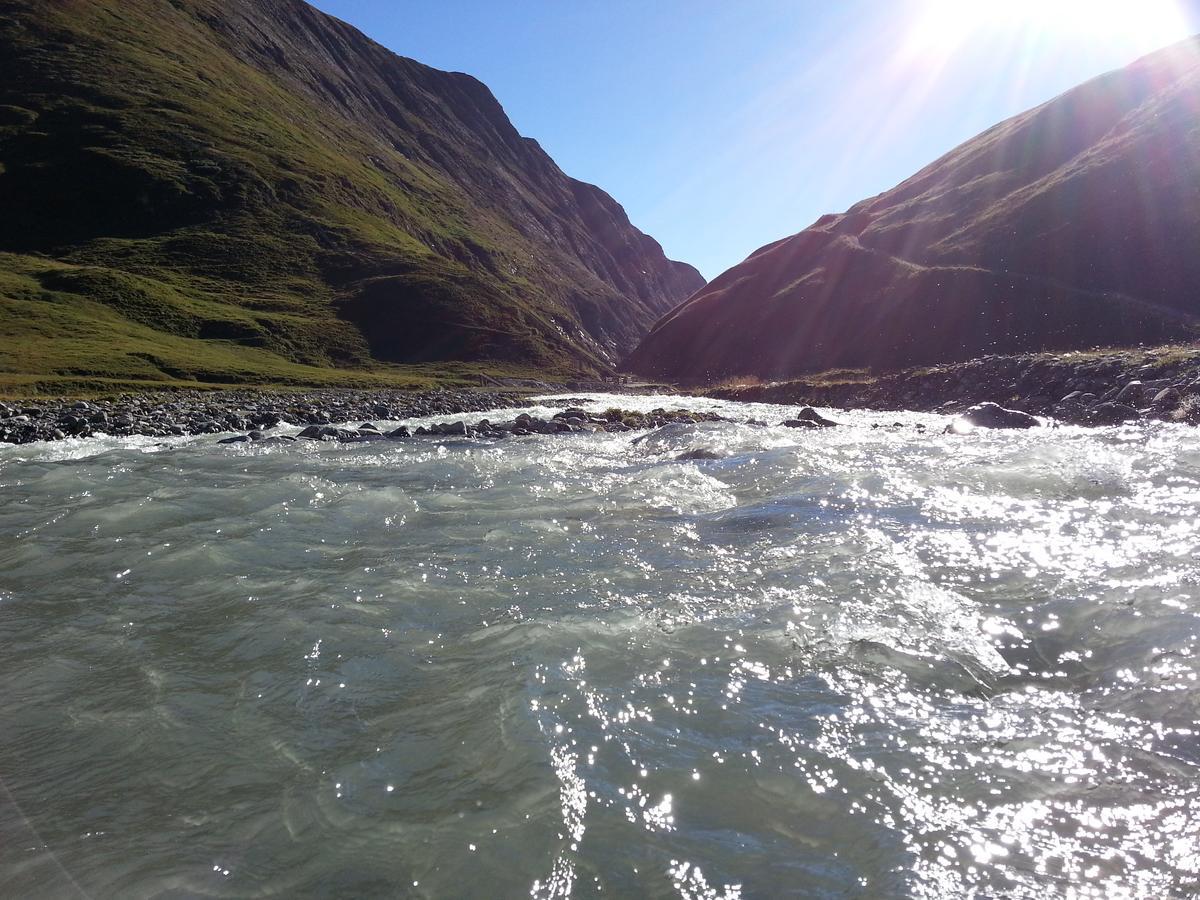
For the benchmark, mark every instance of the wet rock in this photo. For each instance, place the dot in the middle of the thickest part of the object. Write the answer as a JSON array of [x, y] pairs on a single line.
[[1111, 413], [401, 432], [808, 414], [573, 412], [993, 415], [698, 453], [236, 439], [1167, 396], [1130, 393]]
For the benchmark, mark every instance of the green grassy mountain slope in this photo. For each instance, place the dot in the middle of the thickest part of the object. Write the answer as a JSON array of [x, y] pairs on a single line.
[[250, 190], [1073, 225]]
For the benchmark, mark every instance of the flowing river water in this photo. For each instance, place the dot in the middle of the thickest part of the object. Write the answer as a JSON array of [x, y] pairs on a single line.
[[853, 662]]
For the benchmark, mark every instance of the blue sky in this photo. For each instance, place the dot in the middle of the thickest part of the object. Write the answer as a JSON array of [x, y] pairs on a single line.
[[722, 126]]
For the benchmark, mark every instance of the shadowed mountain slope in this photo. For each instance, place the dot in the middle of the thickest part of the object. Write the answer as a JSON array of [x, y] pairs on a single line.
[[1073, 225], [226, 189]]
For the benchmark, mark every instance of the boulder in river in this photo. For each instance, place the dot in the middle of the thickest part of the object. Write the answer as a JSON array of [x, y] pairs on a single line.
[[993, 415], [808, 418], [808, 414]]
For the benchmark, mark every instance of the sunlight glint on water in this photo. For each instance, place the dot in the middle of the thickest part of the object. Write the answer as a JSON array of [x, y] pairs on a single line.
[[856, 662]]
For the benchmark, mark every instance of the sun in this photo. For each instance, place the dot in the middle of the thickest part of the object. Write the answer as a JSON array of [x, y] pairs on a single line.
[[946, 26]]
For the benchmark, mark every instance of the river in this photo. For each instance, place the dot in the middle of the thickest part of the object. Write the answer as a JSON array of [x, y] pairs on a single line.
[[865, 661]]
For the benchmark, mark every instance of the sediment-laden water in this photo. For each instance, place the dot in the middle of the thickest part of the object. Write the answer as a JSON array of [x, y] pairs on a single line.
[[852, 662]]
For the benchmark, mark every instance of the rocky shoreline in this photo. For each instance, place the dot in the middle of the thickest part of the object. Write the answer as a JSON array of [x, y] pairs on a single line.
[[1093, 389], [572, 420], [211, 412], [1097, 388]]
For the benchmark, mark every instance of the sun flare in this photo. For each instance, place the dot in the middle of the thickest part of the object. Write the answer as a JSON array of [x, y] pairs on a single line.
[[948, 25]]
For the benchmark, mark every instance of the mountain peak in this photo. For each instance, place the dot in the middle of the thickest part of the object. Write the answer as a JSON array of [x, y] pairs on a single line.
[[266, 173], [1071, 225]]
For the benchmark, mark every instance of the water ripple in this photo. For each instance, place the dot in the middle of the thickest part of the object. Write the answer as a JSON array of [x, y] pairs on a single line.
[[865, 661]]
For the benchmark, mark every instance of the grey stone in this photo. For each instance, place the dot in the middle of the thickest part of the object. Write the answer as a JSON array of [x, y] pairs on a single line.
[[1131, 393], [808, 414], [1112, 414], [993, 415]]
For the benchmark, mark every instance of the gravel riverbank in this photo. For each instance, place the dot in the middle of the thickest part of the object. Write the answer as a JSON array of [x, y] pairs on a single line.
[[1099, 388], [212, 412], [1077, 388]]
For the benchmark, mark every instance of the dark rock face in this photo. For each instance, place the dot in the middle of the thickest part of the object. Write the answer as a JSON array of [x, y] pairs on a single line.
[[1073, 225], [348, 203]]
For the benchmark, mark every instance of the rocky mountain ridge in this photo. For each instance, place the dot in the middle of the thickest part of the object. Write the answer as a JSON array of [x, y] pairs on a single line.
[[1073, 225], [249, 189]]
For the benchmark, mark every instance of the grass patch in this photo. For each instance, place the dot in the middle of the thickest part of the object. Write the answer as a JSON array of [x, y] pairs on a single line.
[[184, 203]]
